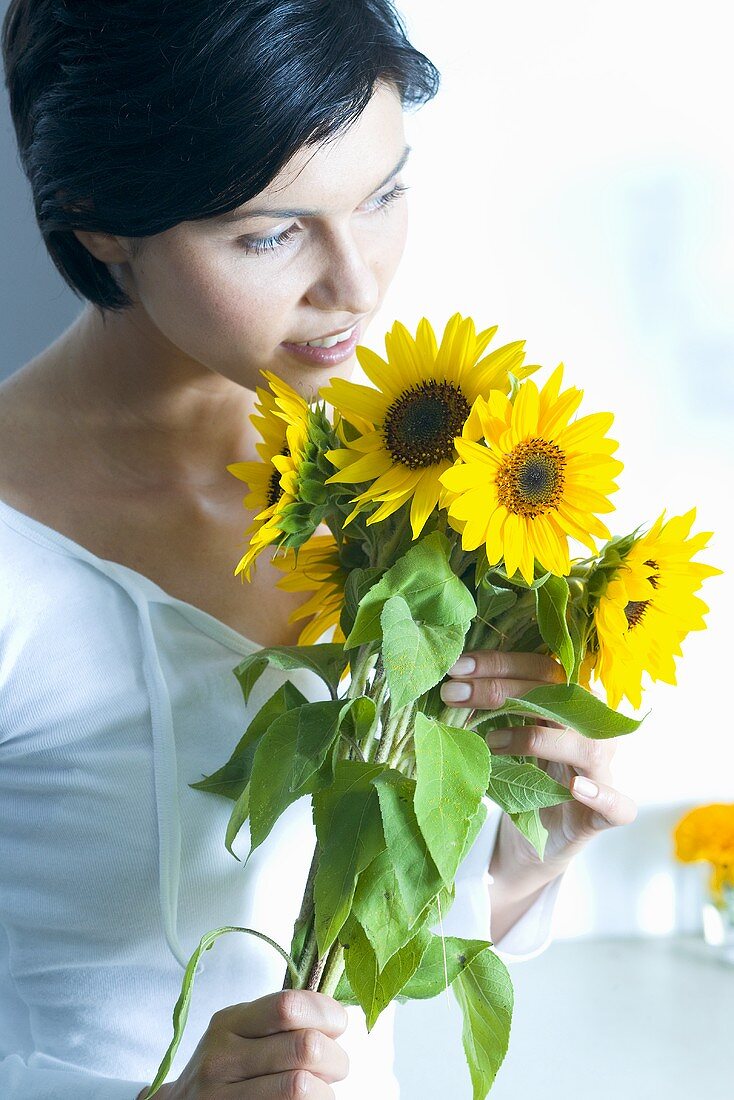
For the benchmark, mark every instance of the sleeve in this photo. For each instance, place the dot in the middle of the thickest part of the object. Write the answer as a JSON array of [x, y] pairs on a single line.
[[21, 1081], [471, 913]]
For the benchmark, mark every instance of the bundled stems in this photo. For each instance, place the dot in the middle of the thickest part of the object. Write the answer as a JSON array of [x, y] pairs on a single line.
[[323, 974], [393, 747]]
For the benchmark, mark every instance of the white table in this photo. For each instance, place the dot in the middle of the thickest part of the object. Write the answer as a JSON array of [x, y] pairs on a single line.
[[607, 1019]]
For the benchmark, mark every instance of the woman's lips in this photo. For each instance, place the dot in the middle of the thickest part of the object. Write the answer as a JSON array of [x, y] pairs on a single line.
[[325, 356]]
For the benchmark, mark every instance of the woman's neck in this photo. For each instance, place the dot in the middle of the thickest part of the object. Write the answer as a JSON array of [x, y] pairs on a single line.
[[149, 409]]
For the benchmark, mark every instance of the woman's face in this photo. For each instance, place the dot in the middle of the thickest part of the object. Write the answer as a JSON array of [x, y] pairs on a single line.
[[230, 292]]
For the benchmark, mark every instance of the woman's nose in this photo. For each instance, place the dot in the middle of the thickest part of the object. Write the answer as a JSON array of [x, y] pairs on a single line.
[[347, 279]]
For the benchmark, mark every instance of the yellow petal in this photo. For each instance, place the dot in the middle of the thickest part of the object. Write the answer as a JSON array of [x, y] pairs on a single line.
[[425, 498], [465, 475], [549, 392], [512, 537], [364, 469], [557, 418], [386, 509], [495, 534], [551, 546], [525, 411], [578, 436], [351, 398]]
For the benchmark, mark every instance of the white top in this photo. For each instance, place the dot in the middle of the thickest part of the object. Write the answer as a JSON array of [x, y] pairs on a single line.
[[114, 696]]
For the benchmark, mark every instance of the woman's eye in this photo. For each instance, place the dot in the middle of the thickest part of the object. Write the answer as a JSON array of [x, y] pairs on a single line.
[[389, 197], [257, 246]]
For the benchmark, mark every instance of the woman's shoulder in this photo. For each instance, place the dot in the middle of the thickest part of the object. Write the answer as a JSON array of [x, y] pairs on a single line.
[[53, 601]]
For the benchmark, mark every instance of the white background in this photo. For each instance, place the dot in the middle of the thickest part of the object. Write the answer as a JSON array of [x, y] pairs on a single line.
[[571, 183]]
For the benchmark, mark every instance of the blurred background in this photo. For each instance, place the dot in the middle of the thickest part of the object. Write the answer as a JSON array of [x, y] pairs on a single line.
[[572, 183]]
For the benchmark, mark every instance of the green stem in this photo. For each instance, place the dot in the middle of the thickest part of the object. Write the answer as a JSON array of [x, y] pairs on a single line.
[[361, 668], [310, 966], [396, 728], [305, 919], [333, 970], [378, 693], [403, 735]]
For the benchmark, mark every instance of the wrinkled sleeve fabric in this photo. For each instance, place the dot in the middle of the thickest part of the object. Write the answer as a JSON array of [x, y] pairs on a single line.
[[471, 913], [19, 1078], [19, 1081]]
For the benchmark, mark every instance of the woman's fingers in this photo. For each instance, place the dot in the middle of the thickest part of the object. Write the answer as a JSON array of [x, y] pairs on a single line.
[[563, 745], [494, 664], [483, 680], [485, 693], [606, 805], [306, 1049], [610, 806]]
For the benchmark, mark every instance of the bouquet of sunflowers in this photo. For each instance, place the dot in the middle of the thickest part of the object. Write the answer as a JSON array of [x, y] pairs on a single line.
[[425, 514]]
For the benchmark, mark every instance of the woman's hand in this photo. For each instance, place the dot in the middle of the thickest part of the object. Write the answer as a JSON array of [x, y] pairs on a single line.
[[278, 1047], [483, 680]]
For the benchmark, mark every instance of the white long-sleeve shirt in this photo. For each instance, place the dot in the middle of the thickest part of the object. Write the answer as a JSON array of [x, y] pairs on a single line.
[[114, 696]]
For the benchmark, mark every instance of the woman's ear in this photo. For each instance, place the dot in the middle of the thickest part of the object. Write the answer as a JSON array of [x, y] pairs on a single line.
[[104, 246]]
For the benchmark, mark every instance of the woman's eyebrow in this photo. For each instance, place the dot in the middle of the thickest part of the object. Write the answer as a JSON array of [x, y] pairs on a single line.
[[239, 214]]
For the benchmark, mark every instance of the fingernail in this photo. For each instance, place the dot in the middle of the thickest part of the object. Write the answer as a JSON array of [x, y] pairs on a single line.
[[585, 787], [455, 692], [463, 667], [498, 739]]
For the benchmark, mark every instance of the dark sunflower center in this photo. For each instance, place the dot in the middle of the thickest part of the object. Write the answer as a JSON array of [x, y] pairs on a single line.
[[275, 491], [530, 481], [420, 426], [636, 609]]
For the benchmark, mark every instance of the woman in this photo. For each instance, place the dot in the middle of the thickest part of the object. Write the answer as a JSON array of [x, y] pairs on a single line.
[[220, 183]]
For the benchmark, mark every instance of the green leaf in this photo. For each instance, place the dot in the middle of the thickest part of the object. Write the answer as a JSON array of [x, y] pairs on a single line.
[[358, 582], [231, 779], [418, 877], [378, 906], [358, 717], [327, 660], [279, 757], [349, 830], [425, 580], [498, 572], [573, 706], [574, 630], [452, 773], [516, 787], [415, 656], [492, 601], [532, 828], [475, 826], [238, 817], [485, 995], [441, 964], [344, 993], [181, 1008], [551, 601], [317, 728], [376, 988], [349, 775]]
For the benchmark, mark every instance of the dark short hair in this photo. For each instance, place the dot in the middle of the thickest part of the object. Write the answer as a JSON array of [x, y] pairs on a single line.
[[134, 115]]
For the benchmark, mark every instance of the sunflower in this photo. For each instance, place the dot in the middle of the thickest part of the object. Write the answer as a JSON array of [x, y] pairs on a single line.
[[648, 608], [535, 479], [707, 833], [423, 396], [281, 419], [319, 571]]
